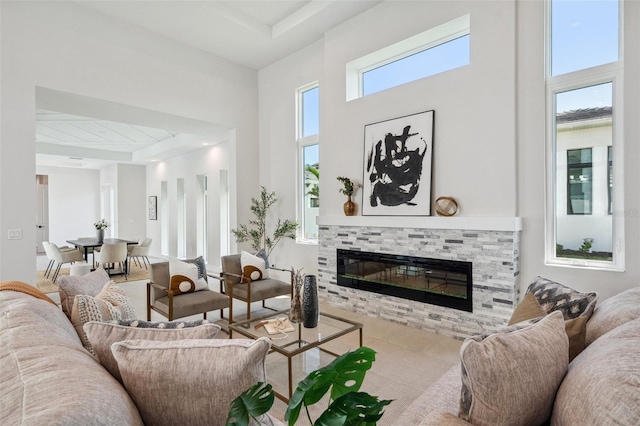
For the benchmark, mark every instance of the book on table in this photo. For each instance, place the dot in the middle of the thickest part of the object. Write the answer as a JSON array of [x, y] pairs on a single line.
[[276, 325]]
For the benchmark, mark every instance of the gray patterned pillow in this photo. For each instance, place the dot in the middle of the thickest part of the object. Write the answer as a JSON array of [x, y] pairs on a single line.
[[510, 378], [110, 304], [102, 335], [554, 296]]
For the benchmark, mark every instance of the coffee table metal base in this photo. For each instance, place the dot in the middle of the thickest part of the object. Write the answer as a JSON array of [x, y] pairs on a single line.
[[290, 348]]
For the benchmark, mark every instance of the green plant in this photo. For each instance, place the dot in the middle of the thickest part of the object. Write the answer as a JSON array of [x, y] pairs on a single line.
[[348, 187], [342, 378], [586, 245], [313, 188], [559, 247], [256, 231]]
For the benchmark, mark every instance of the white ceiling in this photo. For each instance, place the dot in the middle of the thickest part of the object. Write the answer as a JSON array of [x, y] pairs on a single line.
[[253, 33]]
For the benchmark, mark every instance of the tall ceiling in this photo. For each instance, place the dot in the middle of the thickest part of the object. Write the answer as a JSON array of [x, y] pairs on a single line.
[[252, 33]]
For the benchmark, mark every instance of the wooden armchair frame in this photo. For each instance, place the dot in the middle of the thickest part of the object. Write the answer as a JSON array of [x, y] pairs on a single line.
[[227, 287]]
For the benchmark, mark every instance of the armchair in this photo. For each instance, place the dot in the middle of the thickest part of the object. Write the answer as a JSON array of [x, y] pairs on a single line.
[[165, 299], [241, 287]]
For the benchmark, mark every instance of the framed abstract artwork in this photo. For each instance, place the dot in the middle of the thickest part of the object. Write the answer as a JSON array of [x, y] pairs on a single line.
[[398, 157], [153, 207]]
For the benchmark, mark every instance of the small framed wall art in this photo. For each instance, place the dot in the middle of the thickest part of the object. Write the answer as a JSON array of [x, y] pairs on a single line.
[[153, 207], [397, 166]]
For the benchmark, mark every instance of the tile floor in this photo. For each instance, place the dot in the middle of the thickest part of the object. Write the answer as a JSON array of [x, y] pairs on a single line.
[[407, 362]]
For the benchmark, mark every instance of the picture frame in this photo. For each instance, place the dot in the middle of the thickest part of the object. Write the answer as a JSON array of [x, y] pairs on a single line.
[[398, 165], [153, 207]]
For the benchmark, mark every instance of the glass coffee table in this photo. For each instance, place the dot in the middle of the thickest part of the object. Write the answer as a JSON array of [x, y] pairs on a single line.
[[290, 344]]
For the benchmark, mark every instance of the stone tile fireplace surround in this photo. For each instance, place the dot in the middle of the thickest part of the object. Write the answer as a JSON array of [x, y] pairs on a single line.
[[491, 244]]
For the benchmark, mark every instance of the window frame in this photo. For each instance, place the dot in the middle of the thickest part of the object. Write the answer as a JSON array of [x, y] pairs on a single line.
[[302, 143], [606, 73], [436, 36]]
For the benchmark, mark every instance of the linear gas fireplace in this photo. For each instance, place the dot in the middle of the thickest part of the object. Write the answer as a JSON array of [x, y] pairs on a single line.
[[436, 281]]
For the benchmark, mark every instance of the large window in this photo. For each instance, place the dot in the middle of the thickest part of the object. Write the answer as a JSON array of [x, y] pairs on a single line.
[[309, 172], [431, 52], [584, 86]]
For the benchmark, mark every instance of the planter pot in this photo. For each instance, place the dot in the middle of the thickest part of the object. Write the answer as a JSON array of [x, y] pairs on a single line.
[[310, 302], [100, 235], [349, 207]]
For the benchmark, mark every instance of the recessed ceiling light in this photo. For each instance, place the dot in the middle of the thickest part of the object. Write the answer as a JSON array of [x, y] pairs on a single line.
[[205, 143]]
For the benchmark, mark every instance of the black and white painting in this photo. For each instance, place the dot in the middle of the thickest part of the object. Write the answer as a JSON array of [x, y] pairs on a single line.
[[397, 166]]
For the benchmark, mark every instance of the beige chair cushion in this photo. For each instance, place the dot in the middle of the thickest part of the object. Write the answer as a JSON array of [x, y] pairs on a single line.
[[613, 312], [511, 377], [263, 289], [71, 285], [602, 385], [188, 304], [110, 304], [189, 382], [102, 335]]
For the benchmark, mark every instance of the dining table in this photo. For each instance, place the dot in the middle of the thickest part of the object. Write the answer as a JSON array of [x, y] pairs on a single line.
[[85, 244]]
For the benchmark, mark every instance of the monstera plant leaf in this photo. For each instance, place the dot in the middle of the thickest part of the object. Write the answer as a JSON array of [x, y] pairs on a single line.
[[353, 409], [345, 374], [253, 403]]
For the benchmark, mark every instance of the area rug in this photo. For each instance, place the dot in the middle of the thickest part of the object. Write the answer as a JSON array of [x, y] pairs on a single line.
[[136, 273]]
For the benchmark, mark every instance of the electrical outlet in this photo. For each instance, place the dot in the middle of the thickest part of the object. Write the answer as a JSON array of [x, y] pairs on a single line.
[[15, 234]]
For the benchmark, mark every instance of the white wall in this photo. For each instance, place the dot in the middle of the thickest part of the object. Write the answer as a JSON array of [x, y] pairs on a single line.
[[132, 202], [474, 126], [208, 161], [66, 47], [74, 203], [278, 153]]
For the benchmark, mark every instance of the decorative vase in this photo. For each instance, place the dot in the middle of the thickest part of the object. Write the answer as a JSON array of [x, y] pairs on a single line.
[[349, 207], [295, 314], [310, 302], [100, 235]]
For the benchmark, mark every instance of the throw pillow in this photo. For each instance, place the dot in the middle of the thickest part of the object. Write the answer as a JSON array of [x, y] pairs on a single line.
[[71, 285], [189, 270], [511, 377], [529, 309], [189, 382], [202, 267], [554, 296], [110, 304], [613, 312], [247, 259], [102, 335], [602, 385]]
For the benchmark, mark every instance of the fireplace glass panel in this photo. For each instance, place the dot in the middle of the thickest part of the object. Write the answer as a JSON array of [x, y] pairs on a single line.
[[440, 282]]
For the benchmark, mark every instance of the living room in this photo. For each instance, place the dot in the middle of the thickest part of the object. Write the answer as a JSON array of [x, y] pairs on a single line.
[[489, 132]]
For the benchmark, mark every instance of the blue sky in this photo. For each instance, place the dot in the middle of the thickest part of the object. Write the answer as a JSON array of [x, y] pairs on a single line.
[[583, 34]]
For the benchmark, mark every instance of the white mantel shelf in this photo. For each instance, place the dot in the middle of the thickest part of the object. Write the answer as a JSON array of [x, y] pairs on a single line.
[[509, 224]]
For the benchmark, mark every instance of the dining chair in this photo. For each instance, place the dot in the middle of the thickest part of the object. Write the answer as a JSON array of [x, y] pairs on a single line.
[[140, 251], [61, 257], [110, 255]]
